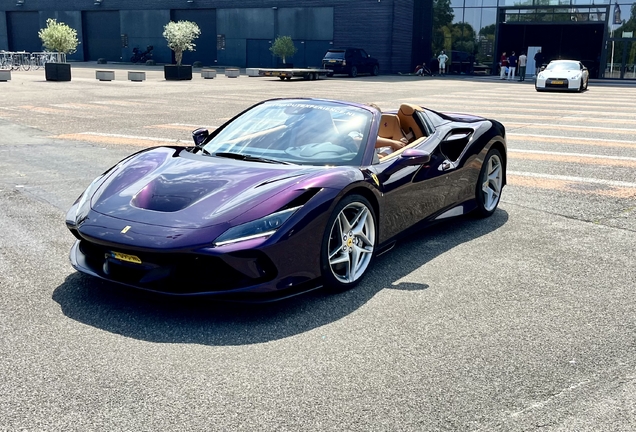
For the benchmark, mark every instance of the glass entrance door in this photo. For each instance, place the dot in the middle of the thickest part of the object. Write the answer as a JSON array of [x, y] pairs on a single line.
[[621, 59]]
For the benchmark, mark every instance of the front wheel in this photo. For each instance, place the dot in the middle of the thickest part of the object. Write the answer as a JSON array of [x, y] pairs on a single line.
[[490, 184], [354, 72], [348, 244], [375, 71]]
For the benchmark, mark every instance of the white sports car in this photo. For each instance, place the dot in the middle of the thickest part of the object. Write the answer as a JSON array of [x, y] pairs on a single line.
[[563, 75]]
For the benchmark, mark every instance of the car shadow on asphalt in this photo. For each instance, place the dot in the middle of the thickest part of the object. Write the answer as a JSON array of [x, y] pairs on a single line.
[[144, 316]]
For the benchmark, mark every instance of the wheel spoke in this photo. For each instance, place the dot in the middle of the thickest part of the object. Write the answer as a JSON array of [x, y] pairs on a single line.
[[354, 264], [342, 258], [345, 227], [363, 237], [334, 253], [359, 221]]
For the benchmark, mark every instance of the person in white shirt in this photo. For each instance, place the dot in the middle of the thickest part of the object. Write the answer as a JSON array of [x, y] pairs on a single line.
[[442, 58], [523, 61]]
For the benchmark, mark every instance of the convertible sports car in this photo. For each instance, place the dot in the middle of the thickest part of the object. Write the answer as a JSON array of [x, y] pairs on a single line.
[[563, 75], [288, 196]]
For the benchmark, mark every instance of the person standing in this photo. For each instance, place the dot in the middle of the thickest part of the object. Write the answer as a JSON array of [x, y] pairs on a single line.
[[503, 64], [442, 58], [512, 66], [538, 61], [523, 61]]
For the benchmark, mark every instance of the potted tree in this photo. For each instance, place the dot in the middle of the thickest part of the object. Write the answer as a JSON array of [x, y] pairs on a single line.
[[62, 40], [283, 47], [180, 36]]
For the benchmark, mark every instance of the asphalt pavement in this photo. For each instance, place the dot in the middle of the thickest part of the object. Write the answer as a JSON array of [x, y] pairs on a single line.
[[522, 321]]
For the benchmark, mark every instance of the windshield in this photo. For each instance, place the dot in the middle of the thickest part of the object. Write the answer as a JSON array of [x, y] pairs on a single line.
[[296, 131], [335, 54], [563, 66]]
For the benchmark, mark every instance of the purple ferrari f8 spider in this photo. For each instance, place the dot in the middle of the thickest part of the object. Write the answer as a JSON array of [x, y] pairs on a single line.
[[289, 195]]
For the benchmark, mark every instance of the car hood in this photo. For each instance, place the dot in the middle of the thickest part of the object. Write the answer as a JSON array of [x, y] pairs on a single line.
[[172, 187]]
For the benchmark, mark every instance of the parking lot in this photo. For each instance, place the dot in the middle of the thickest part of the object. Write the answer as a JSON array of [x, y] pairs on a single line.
[[523, 321]]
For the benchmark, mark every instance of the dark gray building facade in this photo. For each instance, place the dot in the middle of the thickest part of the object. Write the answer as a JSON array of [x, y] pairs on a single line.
[[396, 32]]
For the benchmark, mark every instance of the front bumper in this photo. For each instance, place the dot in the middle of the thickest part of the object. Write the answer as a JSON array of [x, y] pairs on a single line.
[[558, 84], [169, 261]]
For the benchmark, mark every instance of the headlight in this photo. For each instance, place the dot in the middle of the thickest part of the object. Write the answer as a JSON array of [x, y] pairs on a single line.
[[540, 75], [344, 62], [84, 201], [577, 76], [263, 227]]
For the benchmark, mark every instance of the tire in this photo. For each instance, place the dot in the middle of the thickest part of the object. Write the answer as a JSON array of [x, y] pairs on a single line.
[[281, 78], [375, 71], [344, 246], [307, 77], [587, 82], [353, 72], [581, 86], [490, 184], [330, 74], [288, 78]]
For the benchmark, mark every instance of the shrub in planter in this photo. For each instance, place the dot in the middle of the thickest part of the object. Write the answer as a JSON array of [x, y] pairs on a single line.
[[283, 47], [60, 38], [180, 36]]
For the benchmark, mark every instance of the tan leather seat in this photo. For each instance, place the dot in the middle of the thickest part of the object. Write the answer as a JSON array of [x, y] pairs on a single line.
[[409, 125], [390, 127]]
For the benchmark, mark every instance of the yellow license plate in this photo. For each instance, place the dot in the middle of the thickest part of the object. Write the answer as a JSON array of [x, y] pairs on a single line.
[[125, 257], [557, 82], [332, 61]]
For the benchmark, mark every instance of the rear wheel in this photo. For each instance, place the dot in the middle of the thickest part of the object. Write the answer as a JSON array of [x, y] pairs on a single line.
[[281, 78], [490, 184], [354, 72], [348, 243]]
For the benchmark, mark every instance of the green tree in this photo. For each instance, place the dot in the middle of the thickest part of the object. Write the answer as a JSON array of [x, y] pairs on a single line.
[[283, 47], [58, 37], [180, 36]]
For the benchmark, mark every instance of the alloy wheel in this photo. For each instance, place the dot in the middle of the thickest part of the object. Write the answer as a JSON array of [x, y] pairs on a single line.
[[492, 182], [351, 243]]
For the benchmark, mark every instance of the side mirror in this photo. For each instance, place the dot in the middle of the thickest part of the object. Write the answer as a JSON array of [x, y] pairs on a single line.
[[199, 136], [410, 157]]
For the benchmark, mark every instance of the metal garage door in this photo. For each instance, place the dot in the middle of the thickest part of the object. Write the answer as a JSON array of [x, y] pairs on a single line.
[[259, 55], [23, 28], [102, 35]]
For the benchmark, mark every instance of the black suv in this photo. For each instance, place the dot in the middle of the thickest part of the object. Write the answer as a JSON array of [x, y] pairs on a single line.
[[350, 61]]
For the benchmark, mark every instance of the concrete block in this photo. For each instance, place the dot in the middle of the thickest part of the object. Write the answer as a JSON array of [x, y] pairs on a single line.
[[252, 72], [137, 76], [105, 75], [208, 73], [5, 74], [232, 73]]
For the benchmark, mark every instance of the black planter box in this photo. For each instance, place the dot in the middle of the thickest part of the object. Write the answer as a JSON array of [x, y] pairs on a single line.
[[57, 71], [175, 73]]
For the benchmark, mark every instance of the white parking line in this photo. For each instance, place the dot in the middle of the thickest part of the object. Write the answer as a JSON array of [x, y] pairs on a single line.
[[574, 179], [147, 138], [585, 155], [557, 126], [512, 134]]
